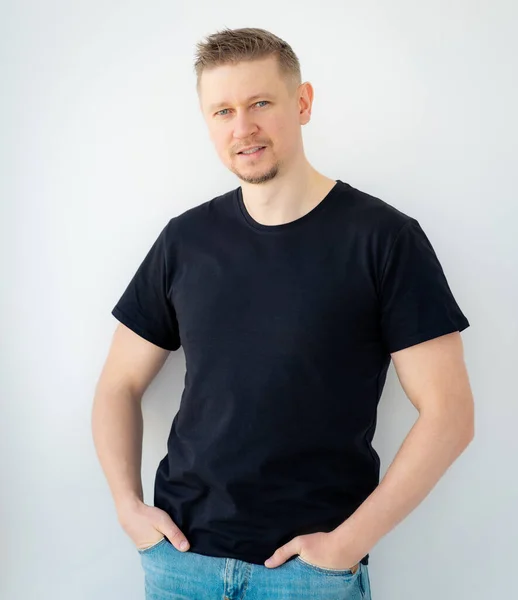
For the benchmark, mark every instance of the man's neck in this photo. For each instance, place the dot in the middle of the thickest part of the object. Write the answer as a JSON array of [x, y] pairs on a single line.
[[287, 198]]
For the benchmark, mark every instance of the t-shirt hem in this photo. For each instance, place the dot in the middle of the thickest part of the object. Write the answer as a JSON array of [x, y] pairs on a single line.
[[256, 560]]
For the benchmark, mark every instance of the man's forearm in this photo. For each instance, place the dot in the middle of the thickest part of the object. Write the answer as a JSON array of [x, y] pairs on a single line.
[[430, 447], [117, 427]]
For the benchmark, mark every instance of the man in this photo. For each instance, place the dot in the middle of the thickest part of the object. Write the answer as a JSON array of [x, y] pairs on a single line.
[[290, 295]]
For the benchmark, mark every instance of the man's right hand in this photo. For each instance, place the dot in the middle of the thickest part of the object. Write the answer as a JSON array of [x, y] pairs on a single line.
[[146, 525]]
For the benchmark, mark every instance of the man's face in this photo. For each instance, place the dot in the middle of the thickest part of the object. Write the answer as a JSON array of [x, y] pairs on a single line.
[[249, 104]]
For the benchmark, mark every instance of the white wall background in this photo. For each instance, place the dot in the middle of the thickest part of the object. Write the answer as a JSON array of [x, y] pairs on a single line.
[[102, 142]]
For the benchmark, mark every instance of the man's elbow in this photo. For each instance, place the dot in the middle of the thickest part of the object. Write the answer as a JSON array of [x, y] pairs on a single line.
[[466, 431]]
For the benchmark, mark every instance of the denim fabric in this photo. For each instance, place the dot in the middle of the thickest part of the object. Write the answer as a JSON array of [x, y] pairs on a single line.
[[174, 575]]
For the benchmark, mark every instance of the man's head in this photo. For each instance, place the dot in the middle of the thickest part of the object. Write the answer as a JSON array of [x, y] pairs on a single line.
[[250, 93]]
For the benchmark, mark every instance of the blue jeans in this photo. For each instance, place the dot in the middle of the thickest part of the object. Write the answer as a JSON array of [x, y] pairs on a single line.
[[174, 575]]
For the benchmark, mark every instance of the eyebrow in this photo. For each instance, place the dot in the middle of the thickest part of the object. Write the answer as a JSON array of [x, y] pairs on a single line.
[[221, 104]]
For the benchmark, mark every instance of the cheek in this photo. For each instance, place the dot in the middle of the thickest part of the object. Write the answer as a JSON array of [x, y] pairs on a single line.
[[221, 144], [284, 134], [217, 136]]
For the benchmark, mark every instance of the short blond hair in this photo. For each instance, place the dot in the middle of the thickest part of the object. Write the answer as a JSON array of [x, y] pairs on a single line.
[[230, 46]]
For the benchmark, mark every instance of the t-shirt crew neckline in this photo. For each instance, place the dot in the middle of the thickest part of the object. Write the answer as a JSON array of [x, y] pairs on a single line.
[[242, 210]]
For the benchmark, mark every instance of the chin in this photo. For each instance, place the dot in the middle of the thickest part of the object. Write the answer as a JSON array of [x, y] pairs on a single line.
[[255, 174]]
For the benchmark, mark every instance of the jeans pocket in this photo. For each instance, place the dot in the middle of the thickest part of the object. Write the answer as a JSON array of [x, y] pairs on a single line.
[[328, 570], [152, 547]]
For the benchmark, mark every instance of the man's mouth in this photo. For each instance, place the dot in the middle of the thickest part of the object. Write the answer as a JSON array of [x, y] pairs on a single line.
[[253, 152]]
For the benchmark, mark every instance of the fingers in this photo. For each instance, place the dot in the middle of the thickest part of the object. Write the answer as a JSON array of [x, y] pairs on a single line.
[[143, 522]]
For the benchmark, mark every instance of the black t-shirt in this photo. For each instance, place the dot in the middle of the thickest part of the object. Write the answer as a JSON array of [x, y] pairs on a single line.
[[287, 332]]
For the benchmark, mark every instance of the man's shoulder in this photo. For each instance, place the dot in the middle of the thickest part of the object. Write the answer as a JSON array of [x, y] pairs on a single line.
[[373, 213], [200, 214], [201, 211]]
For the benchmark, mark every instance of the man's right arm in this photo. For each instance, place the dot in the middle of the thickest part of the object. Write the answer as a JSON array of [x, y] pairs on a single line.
[[117, 428]]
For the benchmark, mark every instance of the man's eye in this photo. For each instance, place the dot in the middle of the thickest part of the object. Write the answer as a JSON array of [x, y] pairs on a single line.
[[224, 109]]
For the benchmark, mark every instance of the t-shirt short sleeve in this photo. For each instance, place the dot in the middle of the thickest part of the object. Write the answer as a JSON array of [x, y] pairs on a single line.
[[417, 303], [146, 306]]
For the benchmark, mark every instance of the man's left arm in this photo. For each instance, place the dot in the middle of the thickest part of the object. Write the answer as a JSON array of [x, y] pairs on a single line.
[[434, 377]]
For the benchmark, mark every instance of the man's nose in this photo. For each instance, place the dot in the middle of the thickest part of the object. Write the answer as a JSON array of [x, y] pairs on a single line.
[[244, 125]]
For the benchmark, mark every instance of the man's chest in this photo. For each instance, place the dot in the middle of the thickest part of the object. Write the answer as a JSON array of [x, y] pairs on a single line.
[[284, 295]]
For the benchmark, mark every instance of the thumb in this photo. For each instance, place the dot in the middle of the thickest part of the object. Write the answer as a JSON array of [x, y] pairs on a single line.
[[175, 535], [180, 542]]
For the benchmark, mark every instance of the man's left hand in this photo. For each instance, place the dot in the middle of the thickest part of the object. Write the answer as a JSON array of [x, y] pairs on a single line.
[[321, 549]]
